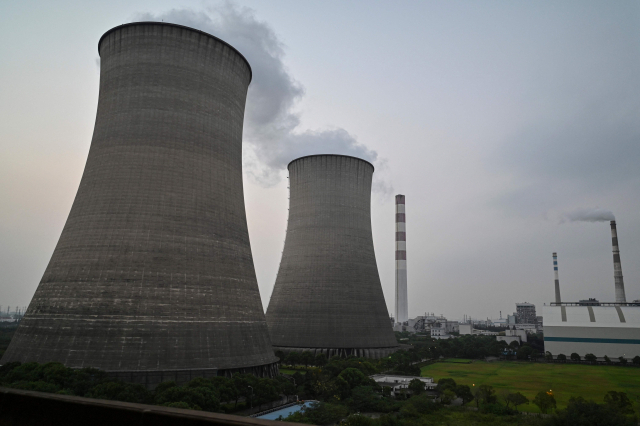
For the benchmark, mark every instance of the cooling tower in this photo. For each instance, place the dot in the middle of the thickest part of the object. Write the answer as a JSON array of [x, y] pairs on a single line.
[[327, 296], [402, 298], [617, 266], [557, 279], [153, 278]]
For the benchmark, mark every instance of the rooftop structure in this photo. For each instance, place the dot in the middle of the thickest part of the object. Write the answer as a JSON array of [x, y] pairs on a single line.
[[153, 278], [327, 297]]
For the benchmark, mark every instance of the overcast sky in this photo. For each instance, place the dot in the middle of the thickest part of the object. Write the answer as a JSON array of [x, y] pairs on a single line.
[[501, 122]]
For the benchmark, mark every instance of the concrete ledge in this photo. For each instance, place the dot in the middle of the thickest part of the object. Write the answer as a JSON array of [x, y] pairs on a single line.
[[28, 408]]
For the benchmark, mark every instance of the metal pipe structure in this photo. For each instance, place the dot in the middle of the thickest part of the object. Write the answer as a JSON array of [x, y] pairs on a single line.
[[557, 280], [327, 297], [402, 302], [617, 267], [153, 277]]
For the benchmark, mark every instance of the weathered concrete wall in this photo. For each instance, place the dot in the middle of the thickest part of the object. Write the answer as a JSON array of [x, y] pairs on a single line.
[[27, 408], [153, 270], [328, 293]]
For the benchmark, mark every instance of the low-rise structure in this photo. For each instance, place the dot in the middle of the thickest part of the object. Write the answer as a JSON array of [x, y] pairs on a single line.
[[513, 335], [399, 384]]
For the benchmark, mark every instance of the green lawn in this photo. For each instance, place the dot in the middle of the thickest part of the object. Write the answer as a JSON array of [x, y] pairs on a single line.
[[565, 380]]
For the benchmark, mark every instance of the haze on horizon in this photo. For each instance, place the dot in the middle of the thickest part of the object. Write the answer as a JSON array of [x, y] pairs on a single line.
[[512, 128]]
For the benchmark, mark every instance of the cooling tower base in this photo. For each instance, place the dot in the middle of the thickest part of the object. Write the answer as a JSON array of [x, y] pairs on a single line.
[[374, 353], [152, 378]]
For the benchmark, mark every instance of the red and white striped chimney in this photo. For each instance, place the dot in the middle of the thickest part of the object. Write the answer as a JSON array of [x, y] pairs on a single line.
[[617, 267], [402, 302]]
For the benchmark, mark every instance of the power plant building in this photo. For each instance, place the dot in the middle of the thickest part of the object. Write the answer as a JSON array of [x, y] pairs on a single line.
[[327, 297], [153, 277], [593, 327]]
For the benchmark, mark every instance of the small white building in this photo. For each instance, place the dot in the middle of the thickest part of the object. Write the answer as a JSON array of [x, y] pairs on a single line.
[[465, 329], [397, 383], [513, 335]]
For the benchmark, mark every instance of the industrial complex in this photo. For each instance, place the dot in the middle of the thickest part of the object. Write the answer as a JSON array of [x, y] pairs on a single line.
[[593, 327], [153, 277], [328, 297]]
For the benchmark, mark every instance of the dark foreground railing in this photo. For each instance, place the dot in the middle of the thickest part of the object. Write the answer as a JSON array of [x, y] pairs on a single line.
[[28, 408]]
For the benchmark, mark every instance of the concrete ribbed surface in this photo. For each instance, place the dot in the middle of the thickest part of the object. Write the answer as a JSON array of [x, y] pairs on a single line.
[[328, 292], [153, 270]]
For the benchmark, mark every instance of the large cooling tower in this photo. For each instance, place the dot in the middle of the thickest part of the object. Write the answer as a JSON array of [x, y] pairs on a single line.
[[153, 278], [327, 297]]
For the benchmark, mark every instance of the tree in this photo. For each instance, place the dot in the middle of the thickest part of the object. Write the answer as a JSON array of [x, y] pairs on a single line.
[[464, 392], [524, 352], [636, 360], [545, 401], [446, 383], [485, 394], [281, 357], [535, 354], [588, 413], [517, 399], [619, 401], [623, 360], [575, 357], [416, 386], [447, 396], [591, 358], [607, 359], [548, 356], [293, 358], [355, 377], [321, 360], [307, 358], [266, 390], [561, 357]]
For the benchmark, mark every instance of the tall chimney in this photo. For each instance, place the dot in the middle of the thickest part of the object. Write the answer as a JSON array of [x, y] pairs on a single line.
[[402, 303], [617, 267], [555, 272]]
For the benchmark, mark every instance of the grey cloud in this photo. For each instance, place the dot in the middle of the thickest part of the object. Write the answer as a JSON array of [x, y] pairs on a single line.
[[271, 124]]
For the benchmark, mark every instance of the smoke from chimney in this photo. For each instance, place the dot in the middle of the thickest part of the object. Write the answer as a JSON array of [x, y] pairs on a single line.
[[617, 267], [588, 215], [272, 130]]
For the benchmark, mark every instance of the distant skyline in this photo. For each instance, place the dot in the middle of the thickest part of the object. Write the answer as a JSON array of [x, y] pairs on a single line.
[[508, 126]]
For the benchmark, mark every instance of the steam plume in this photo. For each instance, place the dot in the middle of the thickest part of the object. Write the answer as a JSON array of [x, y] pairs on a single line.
[[589, 215], [271, 124]]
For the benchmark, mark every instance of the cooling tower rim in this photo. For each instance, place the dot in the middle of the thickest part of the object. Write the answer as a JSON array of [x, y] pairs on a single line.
[[177, 26], [330, 155]]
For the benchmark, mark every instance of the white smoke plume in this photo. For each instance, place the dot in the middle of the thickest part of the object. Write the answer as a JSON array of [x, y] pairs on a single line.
[[271, 123], [588, 215]]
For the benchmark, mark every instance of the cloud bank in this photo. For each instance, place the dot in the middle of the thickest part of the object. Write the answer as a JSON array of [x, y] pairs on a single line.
[[271, 128]]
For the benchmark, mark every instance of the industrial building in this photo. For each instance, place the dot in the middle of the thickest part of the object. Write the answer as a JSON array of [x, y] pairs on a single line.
[[328, 297], [593, 327], [152, 278], [526, 313], [400, 384]]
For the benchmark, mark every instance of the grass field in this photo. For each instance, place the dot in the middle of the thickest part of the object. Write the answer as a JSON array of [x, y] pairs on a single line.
[[565, 380]]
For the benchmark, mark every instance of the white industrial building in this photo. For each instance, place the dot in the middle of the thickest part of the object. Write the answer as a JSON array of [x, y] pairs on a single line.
[[397, 383], [607, 329]]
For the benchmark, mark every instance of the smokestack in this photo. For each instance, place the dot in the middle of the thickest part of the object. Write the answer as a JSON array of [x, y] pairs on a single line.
[[555, 273], [617, 267], [402, 303]]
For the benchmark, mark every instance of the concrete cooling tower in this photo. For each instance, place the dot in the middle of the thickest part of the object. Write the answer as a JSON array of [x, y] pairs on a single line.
[[153, 278], [327, 296]]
